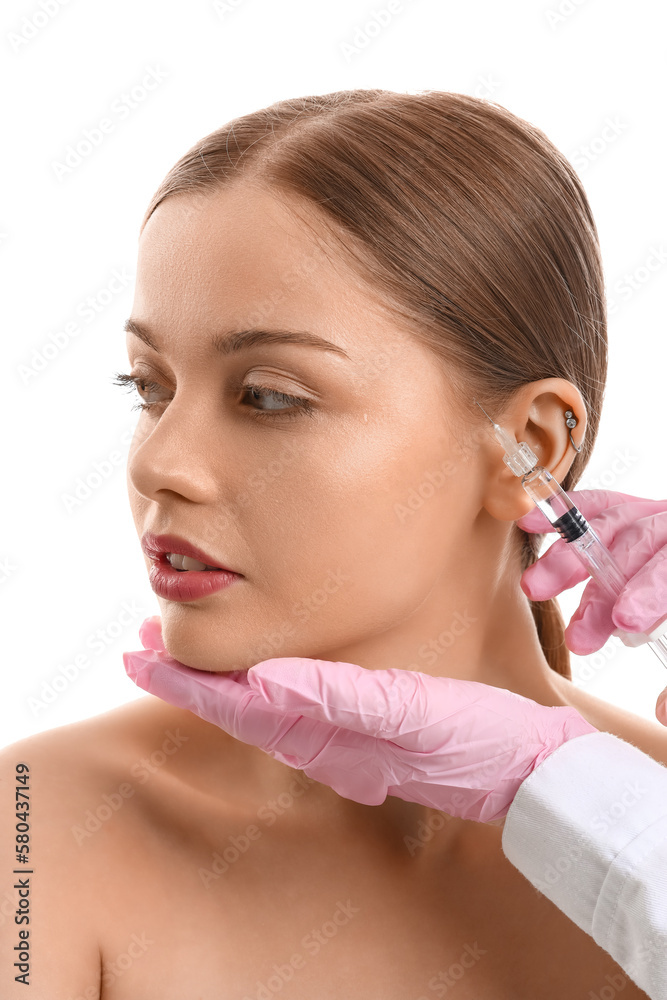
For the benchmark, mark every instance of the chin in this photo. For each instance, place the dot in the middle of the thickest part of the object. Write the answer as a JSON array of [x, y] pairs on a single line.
[[195, 647]]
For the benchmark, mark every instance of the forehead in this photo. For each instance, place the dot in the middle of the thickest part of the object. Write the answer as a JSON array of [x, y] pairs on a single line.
[[242, 256]]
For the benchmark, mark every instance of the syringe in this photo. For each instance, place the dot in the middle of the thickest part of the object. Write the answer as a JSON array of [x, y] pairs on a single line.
[[564, 515]]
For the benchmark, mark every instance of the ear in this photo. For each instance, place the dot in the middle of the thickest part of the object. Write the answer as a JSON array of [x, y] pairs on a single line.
[[536, 415]]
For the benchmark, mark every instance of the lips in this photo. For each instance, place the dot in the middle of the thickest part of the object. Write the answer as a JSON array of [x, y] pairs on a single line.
[[156, 546], [179, 585]]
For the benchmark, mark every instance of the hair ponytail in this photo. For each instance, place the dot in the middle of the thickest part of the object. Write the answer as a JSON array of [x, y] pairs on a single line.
[[547, 615]]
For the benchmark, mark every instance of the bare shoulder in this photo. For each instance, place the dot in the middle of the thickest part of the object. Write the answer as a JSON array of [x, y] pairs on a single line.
[[59, 790], [82, 773]]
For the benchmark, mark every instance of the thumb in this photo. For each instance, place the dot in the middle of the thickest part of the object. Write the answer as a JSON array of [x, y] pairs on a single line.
[[150, 633], [226, 700]]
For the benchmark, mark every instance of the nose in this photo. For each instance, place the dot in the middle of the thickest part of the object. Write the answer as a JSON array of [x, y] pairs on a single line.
[[175, 452]]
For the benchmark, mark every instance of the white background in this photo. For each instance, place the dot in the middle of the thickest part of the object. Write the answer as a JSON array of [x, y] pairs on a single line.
[[589, 74]]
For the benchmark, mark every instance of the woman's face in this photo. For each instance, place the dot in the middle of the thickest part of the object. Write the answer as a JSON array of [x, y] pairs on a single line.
[[350, 520]]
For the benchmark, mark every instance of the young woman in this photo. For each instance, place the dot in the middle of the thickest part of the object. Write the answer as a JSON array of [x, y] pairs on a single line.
[[324, 287]]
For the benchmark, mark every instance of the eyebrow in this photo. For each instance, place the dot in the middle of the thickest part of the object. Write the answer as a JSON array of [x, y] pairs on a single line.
[[239, 340]]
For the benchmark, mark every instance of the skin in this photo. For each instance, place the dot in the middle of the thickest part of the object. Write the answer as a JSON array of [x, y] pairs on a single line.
[[332, 504]]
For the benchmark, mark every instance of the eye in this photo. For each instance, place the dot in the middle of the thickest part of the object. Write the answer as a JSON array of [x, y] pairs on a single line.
[[294, 405], [301, 404], [135, 382]]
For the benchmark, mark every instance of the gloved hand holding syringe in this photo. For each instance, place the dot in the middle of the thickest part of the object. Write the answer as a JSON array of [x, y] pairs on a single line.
[[565, 517]]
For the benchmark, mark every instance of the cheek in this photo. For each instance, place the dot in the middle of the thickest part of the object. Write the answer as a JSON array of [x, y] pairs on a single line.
[[359, 528]]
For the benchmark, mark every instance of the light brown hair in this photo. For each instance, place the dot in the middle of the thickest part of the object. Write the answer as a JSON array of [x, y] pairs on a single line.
[[473, 227]]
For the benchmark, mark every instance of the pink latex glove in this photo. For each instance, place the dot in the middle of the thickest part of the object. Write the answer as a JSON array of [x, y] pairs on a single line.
[[462, 747], [635, 531]]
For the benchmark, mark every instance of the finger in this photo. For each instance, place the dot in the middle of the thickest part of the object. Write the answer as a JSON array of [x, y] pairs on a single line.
[[343, 694], [157, 673], [226, 700], [591, 503], [558, 569], [629, 532], [355, 765], [535, 521], [592, 623], [150, 633], [638, 607], [643, 601], [380, 703]]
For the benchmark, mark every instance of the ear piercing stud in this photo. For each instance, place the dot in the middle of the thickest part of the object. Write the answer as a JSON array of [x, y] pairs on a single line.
[[570, 422]]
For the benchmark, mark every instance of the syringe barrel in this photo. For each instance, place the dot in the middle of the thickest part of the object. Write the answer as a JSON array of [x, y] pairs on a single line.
[[555, 504], [571, 525], [600, 563]]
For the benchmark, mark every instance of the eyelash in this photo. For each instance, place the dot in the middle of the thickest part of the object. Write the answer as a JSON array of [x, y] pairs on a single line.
[[303, 406]]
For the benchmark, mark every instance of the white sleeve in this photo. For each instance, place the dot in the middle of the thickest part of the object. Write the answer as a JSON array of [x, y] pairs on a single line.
[[588, 827]]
